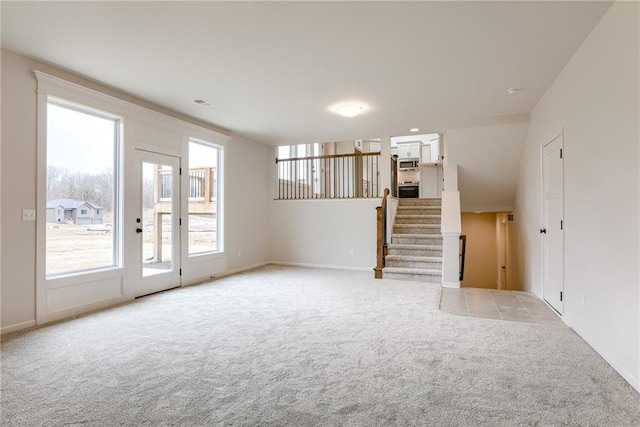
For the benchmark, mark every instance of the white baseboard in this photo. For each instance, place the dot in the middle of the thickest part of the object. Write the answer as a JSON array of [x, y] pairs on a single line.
[[631, 379], [17, 326], [324, 266], [240, 270], [451, 284]]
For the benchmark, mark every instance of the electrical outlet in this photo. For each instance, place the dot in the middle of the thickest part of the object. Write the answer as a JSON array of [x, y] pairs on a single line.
[[239, 254], [350, 251], [28, 214]]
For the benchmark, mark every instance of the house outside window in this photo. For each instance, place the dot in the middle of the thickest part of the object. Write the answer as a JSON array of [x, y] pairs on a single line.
[[82, 163]]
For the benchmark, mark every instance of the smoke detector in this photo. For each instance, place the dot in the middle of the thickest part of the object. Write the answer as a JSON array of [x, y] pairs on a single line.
[[203, 102]]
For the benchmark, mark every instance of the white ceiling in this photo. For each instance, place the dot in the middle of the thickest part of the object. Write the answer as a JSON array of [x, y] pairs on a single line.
[[274, 69]]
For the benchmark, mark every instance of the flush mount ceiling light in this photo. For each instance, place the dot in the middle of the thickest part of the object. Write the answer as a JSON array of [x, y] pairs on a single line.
[[349, 110], [513, 90], [414, 130], [203, 102]]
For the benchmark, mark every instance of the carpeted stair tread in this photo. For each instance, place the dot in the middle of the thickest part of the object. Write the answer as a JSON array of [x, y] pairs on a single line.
[[418, 219], [426, 236], [416, 236], [408, 270], [415, 248], [419, 208], [409, 246], [419, 229], [414, 258], [421, 202]]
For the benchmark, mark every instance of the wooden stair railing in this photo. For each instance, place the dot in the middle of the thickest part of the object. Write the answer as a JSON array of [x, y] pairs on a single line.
[[332, 176], [381, 221]]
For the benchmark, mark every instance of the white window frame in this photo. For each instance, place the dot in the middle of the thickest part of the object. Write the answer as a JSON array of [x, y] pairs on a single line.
[[219, 191], [83, 211], [79, 293], [55, 293]]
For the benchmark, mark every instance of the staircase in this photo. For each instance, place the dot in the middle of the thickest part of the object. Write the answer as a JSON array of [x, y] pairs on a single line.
[[415, 251]]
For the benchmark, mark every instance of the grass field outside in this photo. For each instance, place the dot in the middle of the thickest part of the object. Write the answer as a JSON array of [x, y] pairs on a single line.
[[71, 247]]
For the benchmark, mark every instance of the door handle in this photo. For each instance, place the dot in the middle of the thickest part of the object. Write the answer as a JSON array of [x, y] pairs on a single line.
[[138, 230], [543, 231]]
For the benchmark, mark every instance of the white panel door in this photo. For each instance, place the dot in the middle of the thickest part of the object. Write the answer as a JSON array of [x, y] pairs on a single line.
[[552, 230], [157, 225]]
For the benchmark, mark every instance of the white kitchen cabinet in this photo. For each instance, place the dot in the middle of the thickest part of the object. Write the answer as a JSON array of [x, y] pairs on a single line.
[[409, 150], [426, 154]]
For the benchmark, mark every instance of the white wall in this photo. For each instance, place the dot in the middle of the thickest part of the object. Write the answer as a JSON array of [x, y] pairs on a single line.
[[324, 232], [18, 166], [246, 208], [451, 228], [247, 198], [487, 157], [0, 186], [595, 100]]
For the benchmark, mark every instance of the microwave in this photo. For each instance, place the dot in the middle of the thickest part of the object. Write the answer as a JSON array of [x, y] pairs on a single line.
[[408, 164]]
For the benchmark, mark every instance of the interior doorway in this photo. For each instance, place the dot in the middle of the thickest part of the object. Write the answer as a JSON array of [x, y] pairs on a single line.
[[490, 258]]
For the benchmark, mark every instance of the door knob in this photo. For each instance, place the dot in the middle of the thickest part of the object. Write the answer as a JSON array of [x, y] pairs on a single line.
[[543, 231], [138, 230]]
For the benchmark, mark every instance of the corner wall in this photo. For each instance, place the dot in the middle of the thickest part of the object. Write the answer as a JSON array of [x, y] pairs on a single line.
[[594, 102], [247, 238]]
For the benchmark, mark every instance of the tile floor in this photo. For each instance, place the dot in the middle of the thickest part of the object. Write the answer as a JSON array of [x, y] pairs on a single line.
[[503, 305]]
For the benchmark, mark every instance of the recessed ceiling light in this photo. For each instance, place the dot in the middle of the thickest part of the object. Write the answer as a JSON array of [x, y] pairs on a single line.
[[513, 90], [203, 102], [349, 110], [414, 130]]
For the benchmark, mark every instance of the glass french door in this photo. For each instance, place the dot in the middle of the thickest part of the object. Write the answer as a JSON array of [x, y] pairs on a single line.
[[157, 224]]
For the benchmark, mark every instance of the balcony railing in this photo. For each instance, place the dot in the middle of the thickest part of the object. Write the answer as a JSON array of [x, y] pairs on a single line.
[[202, 185], [202, 190], [337, 176]]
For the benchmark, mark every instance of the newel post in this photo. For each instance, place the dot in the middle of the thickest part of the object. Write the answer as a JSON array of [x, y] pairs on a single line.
[[381, 235]]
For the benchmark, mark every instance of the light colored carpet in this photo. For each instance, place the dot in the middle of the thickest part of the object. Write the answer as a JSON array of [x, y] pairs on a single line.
[[283, 346]]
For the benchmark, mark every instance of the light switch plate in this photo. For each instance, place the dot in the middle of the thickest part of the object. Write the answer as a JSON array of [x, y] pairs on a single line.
[[28, 214]]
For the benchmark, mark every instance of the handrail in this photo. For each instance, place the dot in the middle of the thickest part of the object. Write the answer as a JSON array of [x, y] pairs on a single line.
[[329, 156], [381, 230], [463, 251]]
